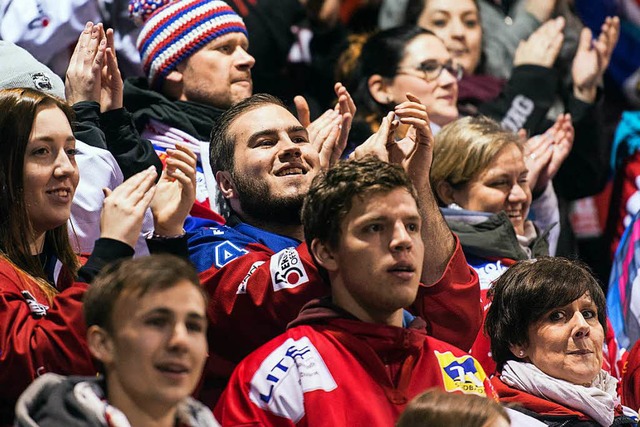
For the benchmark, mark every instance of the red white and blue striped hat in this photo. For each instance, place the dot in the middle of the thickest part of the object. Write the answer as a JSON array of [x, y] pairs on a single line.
[[173, 30]]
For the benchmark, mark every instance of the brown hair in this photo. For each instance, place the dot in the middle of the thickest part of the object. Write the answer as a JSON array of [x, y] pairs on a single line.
[[436, 408], [528, 290], [18, 110], [134, 276]]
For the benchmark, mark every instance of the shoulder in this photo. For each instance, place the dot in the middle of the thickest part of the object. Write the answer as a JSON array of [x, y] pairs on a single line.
[[279, 373]]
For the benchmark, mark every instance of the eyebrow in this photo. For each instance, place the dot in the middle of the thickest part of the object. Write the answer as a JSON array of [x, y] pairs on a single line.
[[274, 132], [167, 312]]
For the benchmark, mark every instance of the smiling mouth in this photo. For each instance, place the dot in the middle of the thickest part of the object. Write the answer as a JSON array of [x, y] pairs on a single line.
[[171, 368], [60, 192], [291, 171]]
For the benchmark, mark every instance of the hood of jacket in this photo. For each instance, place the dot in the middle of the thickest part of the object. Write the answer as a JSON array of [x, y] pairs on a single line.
[[487, 235], [53, 399], [144, 103]]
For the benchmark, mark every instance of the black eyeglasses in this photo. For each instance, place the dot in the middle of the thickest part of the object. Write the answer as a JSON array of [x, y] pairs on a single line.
[[431, 70]]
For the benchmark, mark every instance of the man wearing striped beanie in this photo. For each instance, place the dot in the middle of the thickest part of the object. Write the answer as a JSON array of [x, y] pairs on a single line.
[[194, 55]]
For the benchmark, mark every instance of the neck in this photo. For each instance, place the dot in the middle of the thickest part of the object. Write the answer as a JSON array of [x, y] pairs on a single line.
[[345, 300], [37, 244], [290, 230], [147, 413]]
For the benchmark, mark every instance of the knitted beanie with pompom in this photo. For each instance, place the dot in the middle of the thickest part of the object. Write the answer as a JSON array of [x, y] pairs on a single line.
[[173, 30]]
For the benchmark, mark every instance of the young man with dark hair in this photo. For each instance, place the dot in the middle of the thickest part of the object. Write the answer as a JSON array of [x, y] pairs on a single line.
[[256, 269], [356, 352], [147, 328]]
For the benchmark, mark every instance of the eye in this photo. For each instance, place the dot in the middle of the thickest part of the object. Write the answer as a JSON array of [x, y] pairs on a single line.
[[195, 326], [471, 23], [72, 152], [414, 227], [157, 322], [498, 184], [440, 23], [429, 66], [225, 49], [266, 142], [373, 228], [589, 314], [299, 139], [556, 316], [42, 151]]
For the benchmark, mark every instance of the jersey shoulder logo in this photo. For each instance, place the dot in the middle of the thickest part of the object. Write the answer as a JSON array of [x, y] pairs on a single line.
[[287, 270]]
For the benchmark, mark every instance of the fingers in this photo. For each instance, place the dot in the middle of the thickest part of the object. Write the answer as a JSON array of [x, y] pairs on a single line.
[[584, 44], [302, 108], [345, 101], [181, 165]]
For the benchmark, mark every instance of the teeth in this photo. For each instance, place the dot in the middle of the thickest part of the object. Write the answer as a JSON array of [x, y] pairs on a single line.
[[292, 171], [61, 193]]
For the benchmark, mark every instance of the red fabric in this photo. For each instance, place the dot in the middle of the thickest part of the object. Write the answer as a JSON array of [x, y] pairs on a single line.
[[625, 199], [244, 321], [31, 346], [535, 404], [355, 357], [631, 379]]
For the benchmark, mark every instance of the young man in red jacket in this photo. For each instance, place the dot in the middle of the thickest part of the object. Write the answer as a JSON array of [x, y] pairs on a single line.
[[256, 268], [355, 358]]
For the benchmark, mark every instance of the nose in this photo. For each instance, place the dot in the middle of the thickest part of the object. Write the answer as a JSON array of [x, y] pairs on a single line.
[[456, 29], [244, 59], [517, 194], [400, 239], [64, 166], [447, 78], [581, 327], [179, 336], [288, 148]]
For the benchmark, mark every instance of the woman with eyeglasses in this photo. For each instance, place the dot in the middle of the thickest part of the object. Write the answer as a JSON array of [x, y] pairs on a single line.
[[381, 69]]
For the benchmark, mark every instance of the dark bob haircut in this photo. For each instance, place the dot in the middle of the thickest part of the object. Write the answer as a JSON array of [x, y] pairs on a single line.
[[527, 291]]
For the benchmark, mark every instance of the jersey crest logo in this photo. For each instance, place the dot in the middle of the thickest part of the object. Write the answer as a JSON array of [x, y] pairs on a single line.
[[292, 369], [287, 270], [37, 309], [462, 373], [226, 252]]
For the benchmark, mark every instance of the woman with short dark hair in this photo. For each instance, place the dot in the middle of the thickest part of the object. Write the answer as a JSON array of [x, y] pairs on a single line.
[[547, 324]]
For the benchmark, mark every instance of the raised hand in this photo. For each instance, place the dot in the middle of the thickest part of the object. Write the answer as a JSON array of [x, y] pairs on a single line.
[[329, 133], [175, 192], [543, 46], [123, 208], [592, 59], [83, 77], [544, 154], [111, 86]]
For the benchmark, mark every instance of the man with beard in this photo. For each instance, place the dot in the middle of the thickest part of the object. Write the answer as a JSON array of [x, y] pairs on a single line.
[[255, 268]]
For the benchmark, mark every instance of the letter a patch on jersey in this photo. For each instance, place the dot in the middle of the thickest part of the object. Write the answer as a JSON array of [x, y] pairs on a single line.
[[462, 373], [287, 270], [227, 252]]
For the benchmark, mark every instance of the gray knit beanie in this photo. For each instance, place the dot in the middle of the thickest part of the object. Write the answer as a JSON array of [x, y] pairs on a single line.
[[19, 69]]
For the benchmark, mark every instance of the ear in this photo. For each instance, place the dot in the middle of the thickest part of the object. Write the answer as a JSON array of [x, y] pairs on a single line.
[[379, 89], [324, 255], [518, 350], [100, 344], [226, 185], [445, 192], [174, 76]]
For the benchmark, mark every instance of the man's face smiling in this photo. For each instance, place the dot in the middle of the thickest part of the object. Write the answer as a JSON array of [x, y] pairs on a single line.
[[274, 162]]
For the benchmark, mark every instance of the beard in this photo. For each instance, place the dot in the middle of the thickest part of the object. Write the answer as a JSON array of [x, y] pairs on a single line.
[[258, 203]]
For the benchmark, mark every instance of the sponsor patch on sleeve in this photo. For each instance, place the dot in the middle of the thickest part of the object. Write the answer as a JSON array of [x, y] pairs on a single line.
[[242, 287], [287, 270], [291, 370], [462, 373]]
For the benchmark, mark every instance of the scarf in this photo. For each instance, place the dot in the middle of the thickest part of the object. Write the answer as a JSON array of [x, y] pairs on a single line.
[[598, 401]]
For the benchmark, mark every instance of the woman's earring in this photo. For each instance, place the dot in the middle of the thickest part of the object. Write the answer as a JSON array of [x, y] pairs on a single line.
[[388, 99], [521, 354]]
